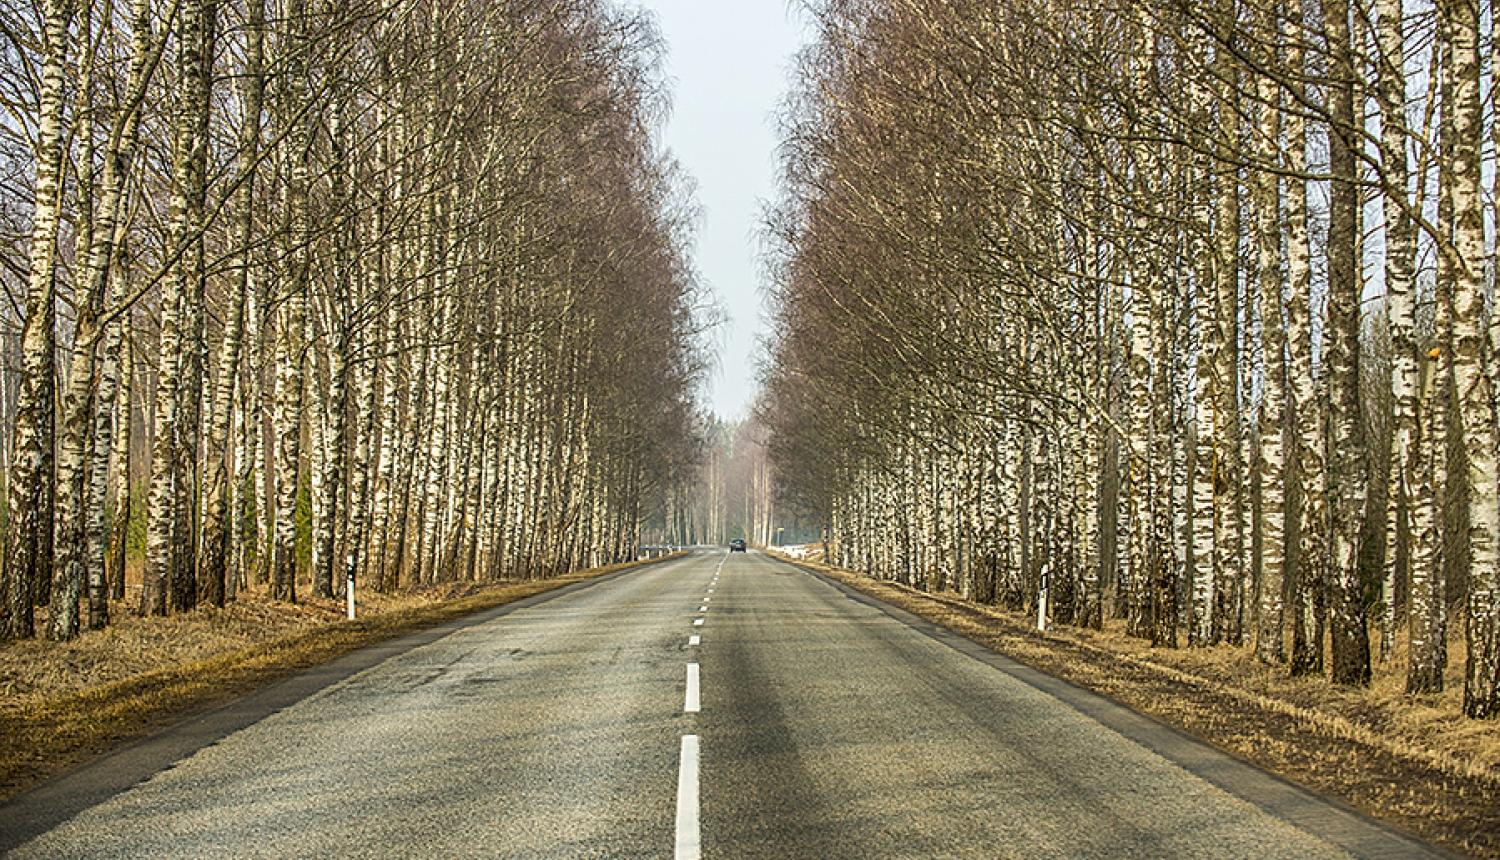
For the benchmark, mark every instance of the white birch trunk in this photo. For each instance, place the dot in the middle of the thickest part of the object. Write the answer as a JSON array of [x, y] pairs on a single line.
[[1269, 645], [1427, 653], [1347, 469], [213, 560], [291, 319], [1400, 261], [170, 521], [1308, 608], [1472, 380], [1207, 517], [123, 495], [28, 561], [1139, 490]]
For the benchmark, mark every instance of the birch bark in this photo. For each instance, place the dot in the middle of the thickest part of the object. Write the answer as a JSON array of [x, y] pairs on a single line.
[[213, 559], [124, 486], [199, 98], [291, 320], [1434, 550], [1400, 260], [88, 412], [1308, 594], [29, 538], [169, 579], [1269, 644], [1347, 471], [111, 420], [335, 412], [1207, 516], [1470, 366]]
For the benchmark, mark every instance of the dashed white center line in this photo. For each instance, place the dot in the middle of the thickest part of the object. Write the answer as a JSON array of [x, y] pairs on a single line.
[[695, 639], [688, 847], [691, 705]]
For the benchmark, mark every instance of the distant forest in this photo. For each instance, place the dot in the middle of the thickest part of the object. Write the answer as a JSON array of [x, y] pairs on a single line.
[[732, 495]]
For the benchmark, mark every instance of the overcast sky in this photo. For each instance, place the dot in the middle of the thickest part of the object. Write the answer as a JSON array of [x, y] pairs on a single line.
[[728, 61]]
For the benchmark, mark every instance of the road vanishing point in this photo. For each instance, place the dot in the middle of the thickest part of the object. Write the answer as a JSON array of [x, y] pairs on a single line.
[[712, 705]]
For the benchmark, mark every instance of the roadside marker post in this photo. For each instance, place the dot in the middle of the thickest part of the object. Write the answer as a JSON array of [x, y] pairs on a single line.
[[349, 586], [1041, 602]]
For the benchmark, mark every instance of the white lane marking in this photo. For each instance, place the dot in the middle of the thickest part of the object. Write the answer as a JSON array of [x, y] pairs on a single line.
[[691, 705], [697, 622], [688, 842], [695, 639]]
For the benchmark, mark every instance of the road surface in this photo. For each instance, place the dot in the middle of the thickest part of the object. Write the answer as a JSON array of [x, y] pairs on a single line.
[[718, 706]]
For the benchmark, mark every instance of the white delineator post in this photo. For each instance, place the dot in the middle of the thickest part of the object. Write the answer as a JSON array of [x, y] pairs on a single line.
[[1041, 602], [349, 587]]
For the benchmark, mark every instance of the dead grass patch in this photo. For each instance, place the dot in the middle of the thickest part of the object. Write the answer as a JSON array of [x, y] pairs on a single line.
[[1415, 764], [62, 704]]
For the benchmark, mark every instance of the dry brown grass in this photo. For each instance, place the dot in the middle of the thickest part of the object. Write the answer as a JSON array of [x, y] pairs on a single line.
[[1415, 764], [63, 704]]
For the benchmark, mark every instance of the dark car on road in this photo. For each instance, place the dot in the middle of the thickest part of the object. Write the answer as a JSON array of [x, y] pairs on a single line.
[[736, 545]]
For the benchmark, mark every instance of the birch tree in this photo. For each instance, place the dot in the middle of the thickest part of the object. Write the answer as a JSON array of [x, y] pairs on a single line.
[[29, 537], [1207, 134], [1472, 379], [494, 168]]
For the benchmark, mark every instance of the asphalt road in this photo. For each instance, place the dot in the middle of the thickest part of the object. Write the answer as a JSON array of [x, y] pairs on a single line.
[[722, 705]]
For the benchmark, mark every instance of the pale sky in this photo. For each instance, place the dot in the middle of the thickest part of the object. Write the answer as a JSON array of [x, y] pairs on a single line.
[[728, 61]]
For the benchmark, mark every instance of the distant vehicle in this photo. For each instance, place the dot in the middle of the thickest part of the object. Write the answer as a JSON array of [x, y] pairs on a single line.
[[736, 545]]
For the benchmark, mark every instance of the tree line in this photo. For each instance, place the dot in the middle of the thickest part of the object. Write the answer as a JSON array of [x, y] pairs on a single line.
[[731, 493], [396, 287], [1177, 313]]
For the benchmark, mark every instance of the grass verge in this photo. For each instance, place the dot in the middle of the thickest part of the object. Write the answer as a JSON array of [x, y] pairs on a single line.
[[1410, 764], [67, 703]]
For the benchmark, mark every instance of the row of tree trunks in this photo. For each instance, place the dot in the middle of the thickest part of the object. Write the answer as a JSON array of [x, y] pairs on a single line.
[[952, 277], [404, 296]]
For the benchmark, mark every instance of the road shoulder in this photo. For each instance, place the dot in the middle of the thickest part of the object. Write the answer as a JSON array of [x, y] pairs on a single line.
[[144, 734], [1303, 759]]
